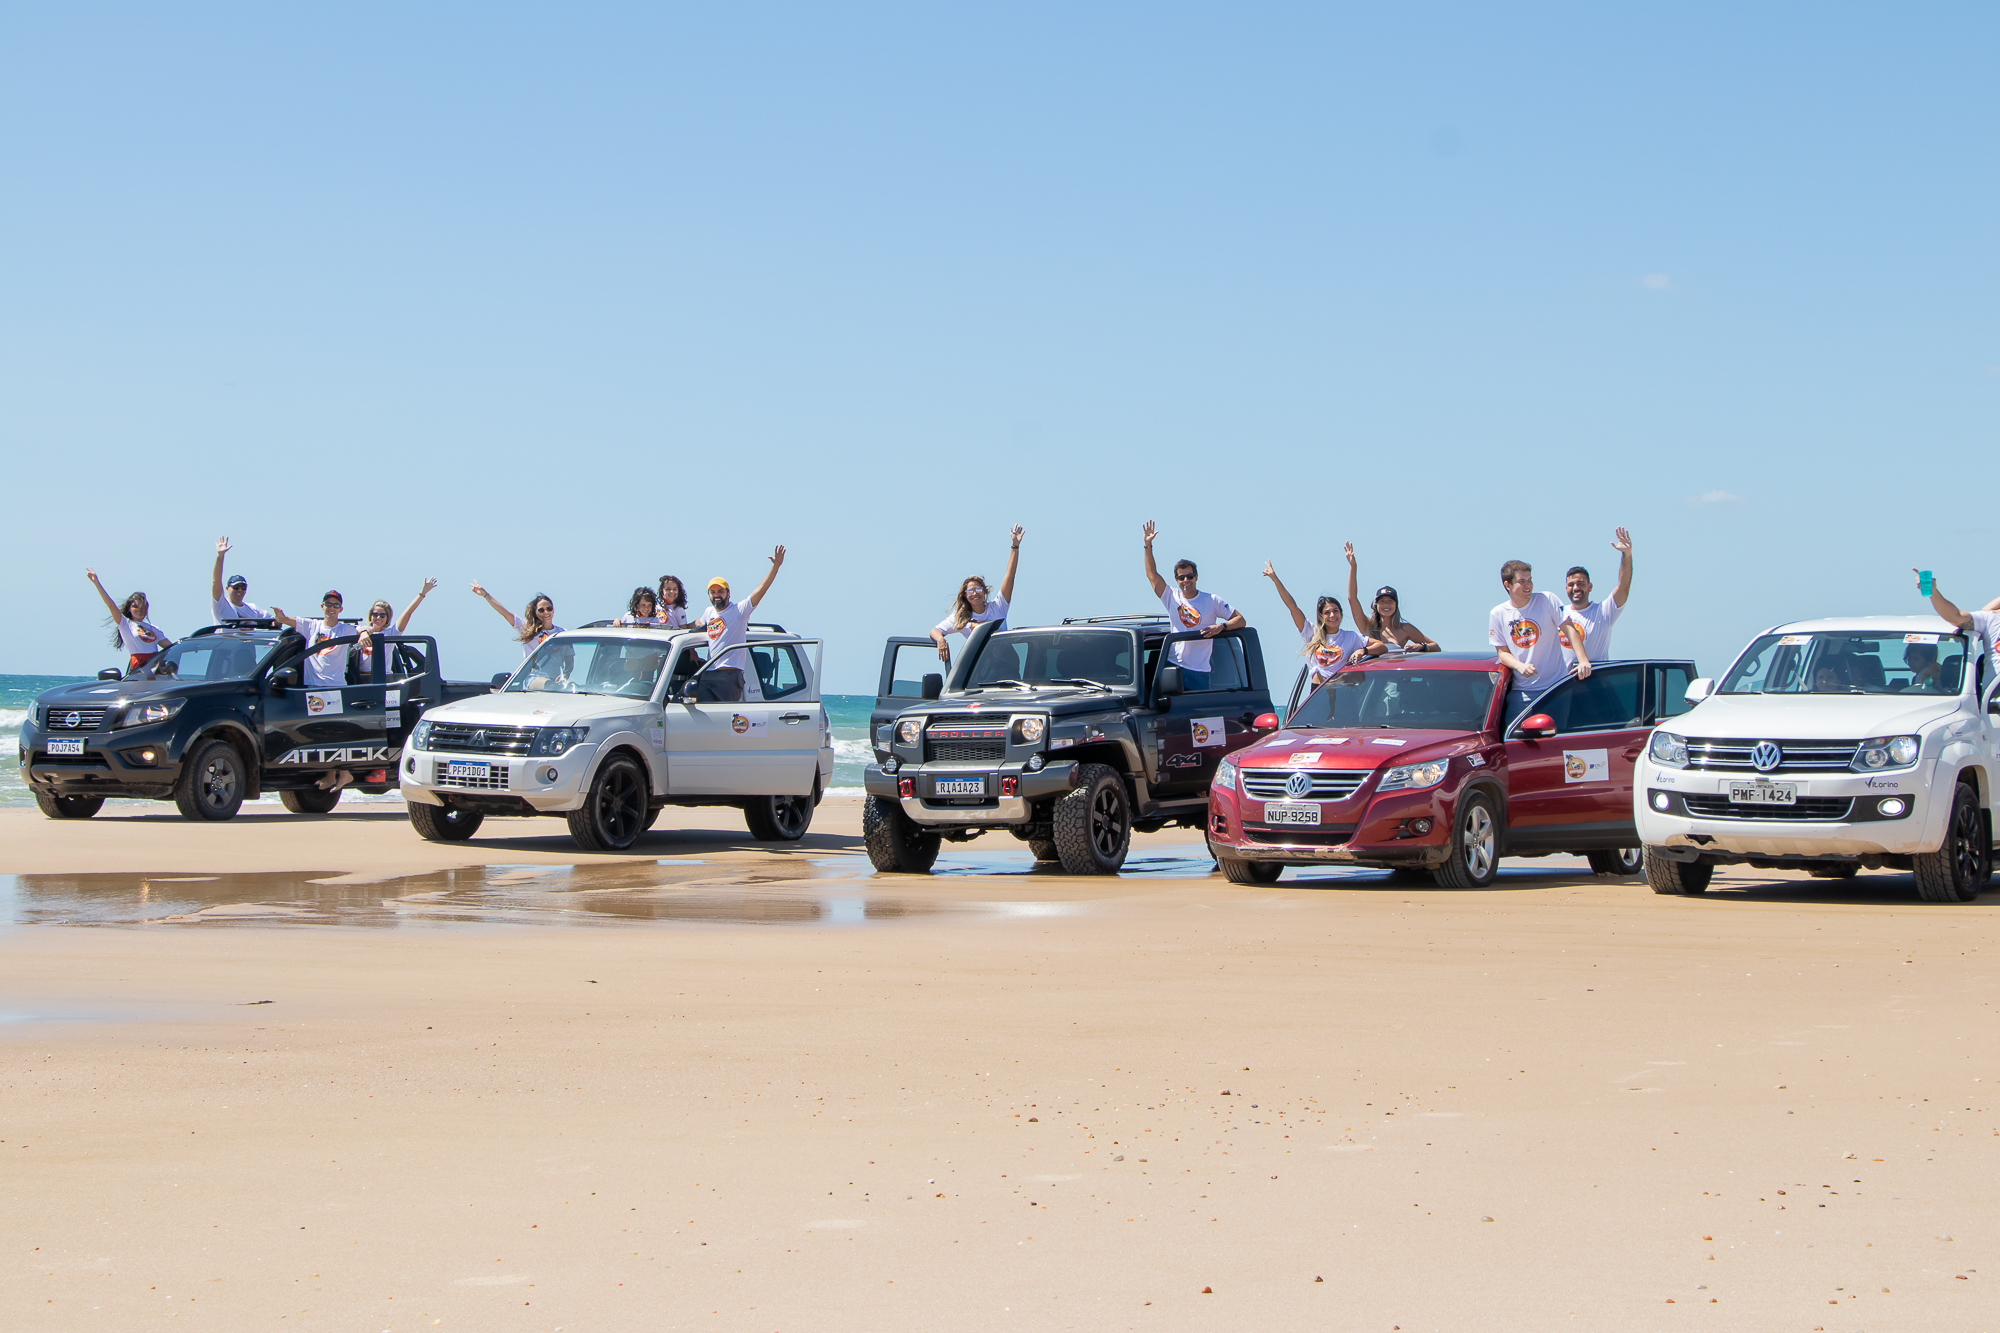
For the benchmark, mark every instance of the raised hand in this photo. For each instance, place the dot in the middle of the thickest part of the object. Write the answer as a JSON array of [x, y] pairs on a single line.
[[777, 557], [476, 588], [1621, 540], [222, 546], [1348, 548], [1269, 572], [91, 574], [1150, 531], [429, 583], [1015, 533]]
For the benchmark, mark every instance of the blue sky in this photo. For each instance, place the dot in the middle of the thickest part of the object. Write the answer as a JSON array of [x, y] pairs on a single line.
[[563, 298]]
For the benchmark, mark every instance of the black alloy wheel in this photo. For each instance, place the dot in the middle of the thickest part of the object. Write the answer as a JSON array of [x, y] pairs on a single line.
[[780, 818], [1957, 871], [442, 823], [211, 782], [614, 812], [68, 807]]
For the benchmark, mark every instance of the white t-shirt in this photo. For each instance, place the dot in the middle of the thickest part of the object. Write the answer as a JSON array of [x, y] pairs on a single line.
[[1986, 627], [1595, 621], [1530, 633], [142, 637], [996, 609], [327, 670], [226, 610], [675, 617], [528, 648], [1191, 613], [726, 628], [1325, 661]]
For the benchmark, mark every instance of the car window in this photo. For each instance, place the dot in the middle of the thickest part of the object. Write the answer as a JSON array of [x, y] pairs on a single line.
[[623, 667], [1608, 699], [1427, 700], [1841, 662], [211, 657], [778, 670], [1670, 684], [1226, 667], [912, 663], [1041, 657], [685, 666]]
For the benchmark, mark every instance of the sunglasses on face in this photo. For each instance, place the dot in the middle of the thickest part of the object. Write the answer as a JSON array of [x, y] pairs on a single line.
[[1184, 578]]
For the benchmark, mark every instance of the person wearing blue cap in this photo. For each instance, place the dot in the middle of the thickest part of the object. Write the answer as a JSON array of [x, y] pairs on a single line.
[[230, 599]]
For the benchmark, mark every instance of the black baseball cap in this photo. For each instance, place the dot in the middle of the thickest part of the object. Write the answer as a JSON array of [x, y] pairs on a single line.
[[237, 581], [1386, 591]]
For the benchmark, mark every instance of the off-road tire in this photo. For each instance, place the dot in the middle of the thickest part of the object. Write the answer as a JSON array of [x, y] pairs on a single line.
[[896, 844], [1957, 871], [313, 802], [781, 818], [1475, 846], [1624, 863], [1834, 872], [1093, 823], [1682, 877], [613, 813], [68, 807], [1238, 871], [211, 782], [1044, 849], [441, 823]]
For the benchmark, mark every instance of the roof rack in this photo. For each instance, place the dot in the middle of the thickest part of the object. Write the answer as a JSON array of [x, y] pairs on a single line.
[[681, 629], [244, 624], [1144, 619]]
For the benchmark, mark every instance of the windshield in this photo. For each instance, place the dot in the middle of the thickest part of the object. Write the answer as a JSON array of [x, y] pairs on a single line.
[[1401, 700], [1055, 656], [224, 655], [623, 667], [1833, 662]]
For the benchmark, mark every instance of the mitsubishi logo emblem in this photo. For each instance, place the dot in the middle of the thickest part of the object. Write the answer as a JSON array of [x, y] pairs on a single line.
[[477, 738], [1299, 786], [72, 720], [1765, 756]]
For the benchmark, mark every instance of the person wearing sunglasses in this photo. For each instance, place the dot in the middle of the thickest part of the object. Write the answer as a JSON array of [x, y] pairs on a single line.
[[1190, 609], [538, 622], [139, 637], [325, 670], [974, 606], [378, 621], [230, 600]]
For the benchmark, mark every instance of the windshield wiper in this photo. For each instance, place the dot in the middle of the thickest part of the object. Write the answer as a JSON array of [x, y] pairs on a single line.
[[996, 684], [1082, 680]]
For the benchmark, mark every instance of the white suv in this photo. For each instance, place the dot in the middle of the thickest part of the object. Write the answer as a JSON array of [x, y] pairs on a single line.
[[1830, 745], [607, 724]]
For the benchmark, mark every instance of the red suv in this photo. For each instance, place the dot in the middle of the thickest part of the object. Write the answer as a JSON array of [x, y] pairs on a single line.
[[1407, 763]]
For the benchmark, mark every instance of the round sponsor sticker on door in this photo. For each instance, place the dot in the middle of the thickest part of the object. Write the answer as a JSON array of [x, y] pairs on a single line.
[[315, 704], [739, 724], [1200, 734], [1575, 767]]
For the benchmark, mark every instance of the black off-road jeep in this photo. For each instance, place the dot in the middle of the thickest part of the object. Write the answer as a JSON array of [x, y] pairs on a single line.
[[1070, 737]]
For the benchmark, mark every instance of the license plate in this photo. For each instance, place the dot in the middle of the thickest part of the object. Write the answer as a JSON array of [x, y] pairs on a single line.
[[66, 747], [961, 787], [1291, 814], [1763, 793], [460, 769]]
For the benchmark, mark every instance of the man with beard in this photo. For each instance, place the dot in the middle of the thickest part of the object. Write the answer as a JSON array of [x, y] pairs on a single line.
[[1595, 619], [728, 624]]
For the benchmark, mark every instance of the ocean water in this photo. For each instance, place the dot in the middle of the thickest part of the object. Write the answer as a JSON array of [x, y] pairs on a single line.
[[847, 712]]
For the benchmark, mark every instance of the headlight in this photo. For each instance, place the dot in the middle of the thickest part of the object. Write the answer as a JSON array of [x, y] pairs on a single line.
[[557, 740], [1225, 774], [150, 710], [1882, 752], [909, 729], [1668, 750], [420, 735], [1028, 730], [1413, 777]]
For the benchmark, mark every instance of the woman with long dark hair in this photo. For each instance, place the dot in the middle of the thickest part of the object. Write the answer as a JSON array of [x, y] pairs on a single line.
[[672, 602], [974, 605], [141, 639], [1384, 620], [1328, 646], [536, 623]]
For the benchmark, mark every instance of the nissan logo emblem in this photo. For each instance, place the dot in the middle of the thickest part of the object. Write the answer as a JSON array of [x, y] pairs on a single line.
[[1765, 756], [72, 720], [1299, 786]]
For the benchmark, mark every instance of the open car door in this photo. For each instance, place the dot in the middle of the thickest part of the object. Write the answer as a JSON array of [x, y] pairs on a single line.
[[905, 664]]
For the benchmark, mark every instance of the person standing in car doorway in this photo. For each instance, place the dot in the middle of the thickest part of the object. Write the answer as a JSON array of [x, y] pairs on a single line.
[[728, 626], [1595, 619], [974, 605], [1190, 609], [229, 600], [1527, 632]]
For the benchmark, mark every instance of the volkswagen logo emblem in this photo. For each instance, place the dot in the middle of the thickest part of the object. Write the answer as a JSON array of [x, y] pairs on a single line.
[[1299, 786], [1765, 756], [72, 720], [476, 738]]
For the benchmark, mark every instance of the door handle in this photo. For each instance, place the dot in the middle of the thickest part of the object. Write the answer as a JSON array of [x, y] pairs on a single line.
[[360, 703], [795, 717]]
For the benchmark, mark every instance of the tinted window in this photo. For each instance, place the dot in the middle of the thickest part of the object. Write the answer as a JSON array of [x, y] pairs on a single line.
[[685, 666], [625, 667], [1670, 684], [210, 657], [1438, 700], [1841, 663], [1608, 699], [778, 670], [1043, 657], [912, 663]]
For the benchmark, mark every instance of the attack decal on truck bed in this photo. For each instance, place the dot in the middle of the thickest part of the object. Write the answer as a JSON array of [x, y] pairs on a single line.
[[320, 704], [1586, 765], [338, 754], [1209, 731]]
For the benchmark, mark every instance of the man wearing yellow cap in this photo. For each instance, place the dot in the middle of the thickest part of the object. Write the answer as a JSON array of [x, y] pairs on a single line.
[[728, 625]]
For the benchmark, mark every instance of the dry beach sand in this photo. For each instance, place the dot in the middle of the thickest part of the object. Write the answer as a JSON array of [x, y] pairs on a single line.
[[314, 1073]]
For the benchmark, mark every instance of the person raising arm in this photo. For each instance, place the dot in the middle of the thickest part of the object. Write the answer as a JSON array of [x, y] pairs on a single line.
[[1386, 621], [1327, 645], [1526, 631], [141, 639], [227, 599], [973, 607], [538, 623], [1595, 619], [728, 626], [1984, 623], [1189, 608], [378, 621]]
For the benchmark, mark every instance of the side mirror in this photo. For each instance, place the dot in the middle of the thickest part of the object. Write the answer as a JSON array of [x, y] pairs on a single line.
[[501, 678], [687, 697], [1699, 689], [1535, 726], [1170, 683], [1994, 707], [933, 685], [111, 673], [286, 678], [1265, 722]]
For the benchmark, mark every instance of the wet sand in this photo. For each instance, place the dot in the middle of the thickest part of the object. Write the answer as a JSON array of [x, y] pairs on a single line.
[[315, 1073]]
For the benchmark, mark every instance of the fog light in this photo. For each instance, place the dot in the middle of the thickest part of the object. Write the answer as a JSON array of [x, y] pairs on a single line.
[[1035, 763], [1420, 826], [891, 764], [1008, 786], [550, 774], [1662, 801], [907, 787], [410, 764], [1892, 806]]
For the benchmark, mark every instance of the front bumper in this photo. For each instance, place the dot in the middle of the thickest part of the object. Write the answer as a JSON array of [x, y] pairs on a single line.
[[112, 763], [925, 806], [1364, 829], [425, 778], [1857, 825]]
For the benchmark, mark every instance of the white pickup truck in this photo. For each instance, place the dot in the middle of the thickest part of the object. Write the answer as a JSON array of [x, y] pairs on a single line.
[[1831, 746], [608, 724]]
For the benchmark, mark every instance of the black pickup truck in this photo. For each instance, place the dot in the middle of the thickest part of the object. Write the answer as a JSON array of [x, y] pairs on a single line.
[[1071, 737], [224, 715]]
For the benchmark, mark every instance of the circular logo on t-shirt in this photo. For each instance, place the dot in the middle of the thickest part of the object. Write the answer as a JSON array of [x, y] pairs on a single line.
[[1326, 659], [1524, 633], [1189, 616], [715, 628]]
